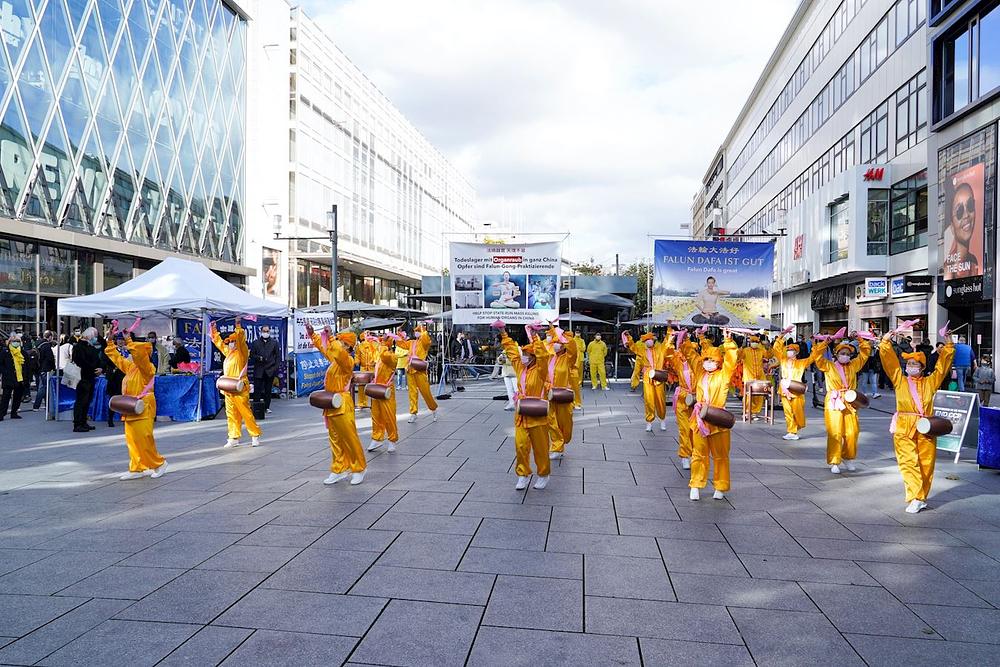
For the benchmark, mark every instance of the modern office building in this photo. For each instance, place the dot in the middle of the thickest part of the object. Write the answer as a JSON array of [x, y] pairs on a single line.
[[707, 211], [345, 144], [829, 154], [121, 143], [964, 45]]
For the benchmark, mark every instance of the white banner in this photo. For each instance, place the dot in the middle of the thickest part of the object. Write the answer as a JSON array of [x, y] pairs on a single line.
[[513, 283], [302, 342]]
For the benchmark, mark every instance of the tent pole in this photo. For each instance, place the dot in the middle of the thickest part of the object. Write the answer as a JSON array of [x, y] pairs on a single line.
[[201, 367], [55, 412]]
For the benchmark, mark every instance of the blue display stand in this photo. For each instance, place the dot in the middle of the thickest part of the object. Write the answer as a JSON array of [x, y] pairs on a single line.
[[176, 397], [988, 455]]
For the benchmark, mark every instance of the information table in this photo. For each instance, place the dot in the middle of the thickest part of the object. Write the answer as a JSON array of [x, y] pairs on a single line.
[[176, 397]]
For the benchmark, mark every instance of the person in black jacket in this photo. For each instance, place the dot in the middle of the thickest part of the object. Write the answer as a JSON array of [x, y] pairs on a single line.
[[180, 355], [113, 374], [86, 357], [13, 376], [46, 365], [266, 357]]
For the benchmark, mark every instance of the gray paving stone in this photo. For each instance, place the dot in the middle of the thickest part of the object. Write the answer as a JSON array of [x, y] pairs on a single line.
[[420, 633], [612, 545], [814, 525], [426, 550], [509, 646], [197, 596], [537, 603], [322, 571], [961, 624], [427, 523], [584, 520], [740, 592], [106, 539], [51, 574], [957, 562], [769, 635], [353, 539], [858, 550], [20, 614], [185, 550], [904, 534], [684, 530], [425, 502], [867, 609], [298, 611], [528, 563], [823, 570], [425, 585], [920, 652], [249, 558], [504, 511], [922, 584], [511, 534], [209, 646], [283, 536], [645, 508], [627, 577], [673, 653], [660, 620], [773, 541], [700, 557], [57, 633], [363, 517], [987, 590], [215, 523], [125, 583], [13, 559], [123, 643], [324, 514], [267, 647]]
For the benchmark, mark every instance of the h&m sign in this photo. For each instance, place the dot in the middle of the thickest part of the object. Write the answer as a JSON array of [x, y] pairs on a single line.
[[874, 173]]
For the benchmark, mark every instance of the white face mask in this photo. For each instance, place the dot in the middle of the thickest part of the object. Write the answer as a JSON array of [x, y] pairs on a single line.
[[913, 371], [548, 339], [649, 343], [265, 334], [710, 366], [232, 346], [526, 359], [754, 345], [557, 347], [790, 354], [844, 358]]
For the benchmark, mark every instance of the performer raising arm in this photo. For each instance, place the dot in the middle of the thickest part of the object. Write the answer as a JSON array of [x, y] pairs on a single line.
[[416, 378], [712, 386], [841, 417], [792, 370], [560, 369], [237, 358]]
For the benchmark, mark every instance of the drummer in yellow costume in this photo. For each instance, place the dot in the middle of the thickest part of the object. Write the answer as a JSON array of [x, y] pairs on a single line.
[[560, 374], [841, 418], [581, 352], [713, 371], [629, 343], [384, 410], [753, 356], [348, 457], [915, 452], [597, 350], [651, 356], [793, 368], [682, 368], [417, 382], [367, 355], [237, 354], [531, 434], [143, 458]]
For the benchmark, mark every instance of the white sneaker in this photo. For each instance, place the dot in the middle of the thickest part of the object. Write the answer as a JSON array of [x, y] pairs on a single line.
[[159, 472], [577, 407], [915, 506], [850, 466], [509, 407], [755, 418], [336, 477], [695, 494], [607, 389], [835, 469], [649, 427], [373, 445], [541, 482], [790, 436], [554, 456], [522, 483], [255, 441], [411, 419], [434, 415], [686, 464], [718, 495], [876, 395], [357, 478], [131, 475], [663, 425], [231, 442], [391, 447], [268, 411]]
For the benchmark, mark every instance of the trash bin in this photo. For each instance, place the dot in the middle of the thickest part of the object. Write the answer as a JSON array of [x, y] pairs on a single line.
[[257, 405]]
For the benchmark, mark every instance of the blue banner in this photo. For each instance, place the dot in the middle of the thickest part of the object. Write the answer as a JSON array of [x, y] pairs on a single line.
[[720, 283], [310, 369], [189, 331]]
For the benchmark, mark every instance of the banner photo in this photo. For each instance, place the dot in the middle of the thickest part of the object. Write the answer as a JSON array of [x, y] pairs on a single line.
[[514, 283], [719, 283], [964, 231]]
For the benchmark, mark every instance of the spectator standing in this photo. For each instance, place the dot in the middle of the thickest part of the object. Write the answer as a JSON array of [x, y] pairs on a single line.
[[869, 376], [965, 362], [13, 377], [64, 351], [46, 365], [266, 357], [86, 357], [984, 377], [180, 355]]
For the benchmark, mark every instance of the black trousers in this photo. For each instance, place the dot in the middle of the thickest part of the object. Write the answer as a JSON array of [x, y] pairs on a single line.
[[11, 398], [262, 389], [84, 394]]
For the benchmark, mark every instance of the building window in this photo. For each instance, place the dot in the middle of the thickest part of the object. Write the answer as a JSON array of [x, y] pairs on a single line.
[[967, 62], [878, 221], [840, 229], [116, 271], [911, 113], [908, 230]]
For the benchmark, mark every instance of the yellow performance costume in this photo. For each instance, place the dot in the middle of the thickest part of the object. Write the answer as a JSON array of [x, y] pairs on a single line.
[[841, 419], [711, 388], [581, 351], [347, 454], [367, 354], [143, 458], [597, 351], [915, 452], [682, 368], [793, 368], [384, 410], [531, 434], [560, 374], [629, 344], [417, 382], [753, 357], [238, 411], [651, 356]]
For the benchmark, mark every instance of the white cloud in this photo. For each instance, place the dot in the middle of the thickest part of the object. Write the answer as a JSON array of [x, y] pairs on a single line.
[[593, 117]]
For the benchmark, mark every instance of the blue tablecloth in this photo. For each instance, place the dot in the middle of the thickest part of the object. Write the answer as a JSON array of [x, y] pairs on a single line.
[[988, 454], [176, 397]]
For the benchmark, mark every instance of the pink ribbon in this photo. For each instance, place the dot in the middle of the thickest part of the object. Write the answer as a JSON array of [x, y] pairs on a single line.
[[836, 401], [915, 395], [696, 412]]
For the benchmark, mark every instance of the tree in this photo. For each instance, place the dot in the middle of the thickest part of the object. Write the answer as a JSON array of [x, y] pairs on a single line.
[[589, 268], [641, 271]]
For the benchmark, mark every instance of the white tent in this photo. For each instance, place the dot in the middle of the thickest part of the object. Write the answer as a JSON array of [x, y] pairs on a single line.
[[174, 288]]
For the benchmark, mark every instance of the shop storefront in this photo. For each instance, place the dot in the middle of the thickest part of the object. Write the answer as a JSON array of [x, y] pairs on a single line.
[[830, 304]]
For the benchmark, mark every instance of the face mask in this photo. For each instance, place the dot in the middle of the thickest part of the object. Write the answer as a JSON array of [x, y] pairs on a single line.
[[844, 358], [15, 345], [232, 346], [93, 341], [548, 339], [754, 345], [527, 359], [790, 354], [913, 371], [649, 343], [557, 347], [710, 366]]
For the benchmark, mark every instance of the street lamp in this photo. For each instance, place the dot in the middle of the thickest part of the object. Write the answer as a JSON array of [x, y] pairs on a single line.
[[331, 228]]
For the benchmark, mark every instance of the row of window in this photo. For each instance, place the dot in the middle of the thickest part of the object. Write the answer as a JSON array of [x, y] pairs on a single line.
[[866, 143], [831, 33], [967, 61], [874, 50], [313, 287]]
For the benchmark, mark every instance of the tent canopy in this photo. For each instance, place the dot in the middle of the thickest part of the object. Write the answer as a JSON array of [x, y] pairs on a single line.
[[595, 298], [174, 288], [365, 308], [580, 318], [373, 323]]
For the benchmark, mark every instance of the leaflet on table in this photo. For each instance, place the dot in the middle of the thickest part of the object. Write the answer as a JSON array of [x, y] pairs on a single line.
[[516, 283]]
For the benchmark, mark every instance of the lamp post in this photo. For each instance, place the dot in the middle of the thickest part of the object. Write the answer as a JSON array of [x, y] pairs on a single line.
[[331, 228]]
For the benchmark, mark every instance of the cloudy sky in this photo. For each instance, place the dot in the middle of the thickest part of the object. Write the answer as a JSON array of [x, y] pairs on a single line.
[[588, 116]]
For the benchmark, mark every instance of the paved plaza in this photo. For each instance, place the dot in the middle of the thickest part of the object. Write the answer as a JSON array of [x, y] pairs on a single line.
[[244, 557]]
